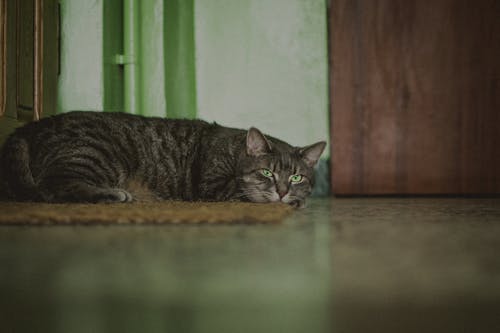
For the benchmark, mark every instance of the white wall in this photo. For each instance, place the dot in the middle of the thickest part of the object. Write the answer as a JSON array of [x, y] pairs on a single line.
[[263, 63]]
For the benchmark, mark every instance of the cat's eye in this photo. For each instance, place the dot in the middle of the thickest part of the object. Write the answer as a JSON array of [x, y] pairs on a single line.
[[296, 178], [266, 172]]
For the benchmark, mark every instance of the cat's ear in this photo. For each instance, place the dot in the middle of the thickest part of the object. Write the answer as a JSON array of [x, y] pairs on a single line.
[[311, 154], [257, 143]]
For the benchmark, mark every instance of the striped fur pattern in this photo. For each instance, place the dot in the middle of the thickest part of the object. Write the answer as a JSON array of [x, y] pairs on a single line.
[[116, 157]]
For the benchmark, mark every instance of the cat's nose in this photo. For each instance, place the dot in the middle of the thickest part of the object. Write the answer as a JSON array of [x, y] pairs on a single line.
[[282, 194]]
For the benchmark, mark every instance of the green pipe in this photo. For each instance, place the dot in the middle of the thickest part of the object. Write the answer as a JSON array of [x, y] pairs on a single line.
[[112, 44], [130, 56], [180, 72]]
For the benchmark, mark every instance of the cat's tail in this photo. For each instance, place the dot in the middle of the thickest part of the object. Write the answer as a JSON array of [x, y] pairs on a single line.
[[16, 179]]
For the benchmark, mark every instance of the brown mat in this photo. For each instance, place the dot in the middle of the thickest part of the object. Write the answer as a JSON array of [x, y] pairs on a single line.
[[169, 212]]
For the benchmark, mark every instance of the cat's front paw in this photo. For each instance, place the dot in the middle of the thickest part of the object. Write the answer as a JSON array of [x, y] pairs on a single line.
[[123, 196], [115, 196]]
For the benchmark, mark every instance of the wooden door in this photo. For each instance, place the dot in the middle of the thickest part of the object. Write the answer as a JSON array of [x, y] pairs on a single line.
[[415, 96], [29, 59]]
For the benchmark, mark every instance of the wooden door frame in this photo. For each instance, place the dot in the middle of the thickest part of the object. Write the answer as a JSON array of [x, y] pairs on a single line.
[[11, 115], [3, 56], [38, 61]]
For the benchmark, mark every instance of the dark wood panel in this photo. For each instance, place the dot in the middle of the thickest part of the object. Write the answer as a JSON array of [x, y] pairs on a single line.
[[415, 96], [25, 54], [3, 55], [30, 60]]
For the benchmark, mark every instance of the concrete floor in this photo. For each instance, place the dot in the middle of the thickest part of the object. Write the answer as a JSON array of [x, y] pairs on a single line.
[[341, 265]]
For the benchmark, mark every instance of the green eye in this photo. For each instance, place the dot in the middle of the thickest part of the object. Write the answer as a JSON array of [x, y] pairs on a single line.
[[296, 178], [266, 172]]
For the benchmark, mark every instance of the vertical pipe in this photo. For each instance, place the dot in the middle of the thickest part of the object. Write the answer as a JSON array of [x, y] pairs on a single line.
[[130, 56], [112, 48], [38, 61], [180, 71]]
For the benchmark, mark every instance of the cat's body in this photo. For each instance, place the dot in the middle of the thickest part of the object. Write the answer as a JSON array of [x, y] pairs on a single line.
[[117, 157]]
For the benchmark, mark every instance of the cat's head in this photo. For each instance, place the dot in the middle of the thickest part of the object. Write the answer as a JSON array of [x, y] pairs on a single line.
[[273, 171]]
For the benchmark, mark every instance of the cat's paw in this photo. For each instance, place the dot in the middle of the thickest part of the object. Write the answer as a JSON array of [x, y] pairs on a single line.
[[123, 196], [115, 196]]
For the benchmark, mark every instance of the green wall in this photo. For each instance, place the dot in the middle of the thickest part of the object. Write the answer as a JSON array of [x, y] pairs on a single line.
[[152, 64], [81, 84]]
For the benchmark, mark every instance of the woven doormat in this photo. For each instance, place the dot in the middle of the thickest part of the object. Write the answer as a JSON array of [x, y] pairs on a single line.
[[20, 213]]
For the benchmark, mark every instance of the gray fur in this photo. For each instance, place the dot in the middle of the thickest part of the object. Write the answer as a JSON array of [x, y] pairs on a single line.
[[114, 157]]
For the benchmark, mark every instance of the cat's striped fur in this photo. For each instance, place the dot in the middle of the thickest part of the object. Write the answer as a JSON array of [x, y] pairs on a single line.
[[117, 157]]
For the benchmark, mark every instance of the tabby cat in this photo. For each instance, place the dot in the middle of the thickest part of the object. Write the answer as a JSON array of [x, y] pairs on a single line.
[[117, 157]]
